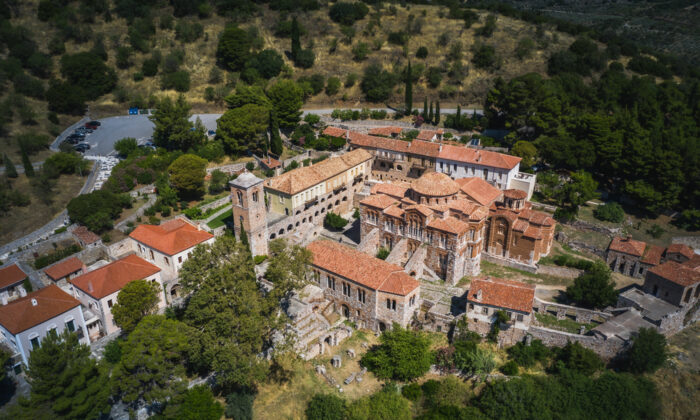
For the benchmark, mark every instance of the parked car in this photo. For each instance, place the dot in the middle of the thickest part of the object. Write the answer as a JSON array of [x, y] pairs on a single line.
[[73, 139], [93, 125], [82, 147]]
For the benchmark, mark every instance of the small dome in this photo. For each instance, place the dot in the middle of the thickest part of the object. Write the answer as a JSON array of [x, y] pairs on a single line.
[[435, 184], [515, 194], [245, 180]]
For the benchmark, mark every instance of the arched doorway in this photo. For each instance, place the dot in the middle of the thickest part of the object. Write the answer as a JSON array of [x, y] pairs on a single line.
[[382, 326], [345, 311]]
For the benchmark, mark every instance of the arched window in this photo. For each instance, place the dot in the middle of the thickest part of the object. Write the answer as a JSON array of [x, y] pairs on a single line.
[[240, 197]]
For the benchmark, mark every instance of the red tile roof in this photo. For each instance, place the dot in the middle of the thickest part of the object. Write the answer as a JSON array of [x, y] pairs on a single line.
[[653, 255], [449, 224], [11, 275], [21, 314], [627, 246], [114, 276], [501, 293], [424, 148], [379, 201], [85, 236], [270, 163], [374, 142], [394, 211], [515, 194], [682, 249], [335, 131], [171, 237], [361, 268], [435, 184], [677, 273], [479, 157], [479, 190], [385, 131], [426, 135], [63, 269], [390, 189]]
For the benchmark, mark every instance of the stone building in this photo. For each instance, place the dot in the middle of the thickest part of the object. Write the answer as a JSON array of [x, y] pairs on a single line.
[[678, 284], [487, 296], [26, 321], [444, 225], [364, 289], [294, 204], [97, 290], [63, 271], [11, 279], [398, 160], [168, 246], [634, 258]]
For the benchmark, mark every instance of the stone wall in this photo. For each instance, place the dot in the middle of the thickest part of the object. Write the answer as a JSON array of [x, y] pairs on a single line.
[[557, 271], [606, 349], [121, 248], [509, 262], [220, 202], [581, 315]]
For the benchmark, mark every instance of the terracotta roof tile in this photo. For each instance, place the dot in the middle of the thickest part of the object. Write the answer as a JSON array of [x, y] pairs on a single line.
[[693, 262], [361, 268], [84, 235], [480, 157], [374, 142], [270, 163], [628, 246], [64, 268], [677, 273], [114, 276], [682, 249], [170, 237], [379, 201], [652, 255], [501, 293], [335, 131], [435, 184], [515, 194], [394, 211], [427, 135], [22, 314], [300, 179], [385, 131], [449, 224], [11, 275], [479, 190], [420, 208], [424, 148], [473, 210], [390, 189]]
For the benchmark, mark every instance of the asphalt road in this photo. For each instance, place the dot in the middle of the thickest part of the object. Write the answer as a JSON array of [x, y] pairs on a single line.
[[102, 140]]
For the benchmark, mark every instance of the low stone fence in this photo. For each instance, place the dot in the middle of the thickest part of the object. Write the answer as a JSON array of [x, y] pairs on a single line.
[[508, 262], [606, 349], [228, 169], [556, 271], [691, 241], [582, 225], [542, 206], [581, 315], [214, 204], [121, 248], [582, 246], [145, 190]]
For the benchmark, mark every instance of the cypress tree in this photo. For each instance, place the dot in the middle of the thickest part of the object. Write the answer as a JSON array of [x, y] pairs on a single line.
[[10, 170], [296, 39], [275, 139], [458, 118], [28, 168], [437, 112], [409, 90], [430, 113], [425, 108], [244, 237]]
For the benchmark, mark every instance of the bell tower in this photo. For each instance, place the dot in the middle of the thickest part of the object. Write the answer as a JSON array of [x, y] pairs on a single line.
[[249, 212]]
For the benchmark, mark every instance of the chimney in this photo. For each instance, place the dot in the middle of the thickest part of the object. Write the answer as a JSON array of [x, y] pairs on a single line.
[[22, 292], [90, 288], [478, 156], [34, 303], [199, 227], [3, 298], [478, 295]]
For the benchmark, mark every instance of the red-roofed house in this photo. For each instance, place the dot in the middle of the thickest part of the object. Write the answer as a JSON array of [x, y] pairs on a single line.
[[390, 131], [97, 290], [65, 270], [498, 169], [169, 244], [675, 283], [26, 321], [634, 258], [11, 278], [488, 295], [369, 291]]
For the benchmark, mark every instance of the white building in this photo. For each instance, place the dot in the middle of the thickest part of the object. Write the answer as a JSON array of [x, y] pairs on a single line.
[[97, 290], [25, 322], [168, 246]]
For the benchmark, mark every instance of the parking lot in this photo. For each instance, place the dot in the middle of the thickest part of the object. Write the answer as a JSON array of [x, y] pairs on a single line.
[[102, 140]]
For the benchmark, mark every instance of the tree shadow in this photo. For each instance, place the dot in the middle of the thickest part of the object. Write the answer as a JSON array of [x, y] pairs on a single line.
[[7, 390]]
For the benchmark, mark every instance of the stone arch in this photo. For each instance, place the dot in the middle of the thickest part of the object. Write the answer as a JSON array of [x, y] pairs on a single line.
[[303, 220], [297, 224], [281, 231], [345, 311], [323, 210], [344, 199], [316, 214], [298, 212], [175, 291], [330, 206], [337, 202], [273, 236], [290, 227], [311, 218]]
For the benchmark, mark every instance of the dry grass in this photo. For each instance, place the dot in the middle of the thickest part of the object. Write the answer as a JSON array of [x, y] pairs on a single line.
[[23, 220], [500, 271], [678, 383]]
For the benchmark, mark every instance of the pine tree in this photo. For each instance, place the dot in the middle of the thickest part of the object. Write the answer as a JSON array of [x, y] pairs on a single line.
[[430, 113], [437, 112], [244, 237], [10, 170], [458, 118], [28, 168], [425, 108], [409, 90], [296, 41], [275, 139]]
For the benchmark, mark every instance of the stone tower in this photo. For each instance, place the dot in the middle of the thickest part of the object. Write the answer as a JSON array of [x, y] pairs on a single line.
[[248, 202]]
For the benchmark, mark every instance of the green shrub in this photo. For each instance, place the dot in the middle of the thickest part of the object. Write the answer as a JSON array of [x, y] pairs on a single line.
[[113, 351], [510, 368], [382, 253], [422, 52], [527, 356], [648, 352], [412, 391], [57, 255], [334, 221], [401, 355], [609, 212], [239, 405], [259, 259]]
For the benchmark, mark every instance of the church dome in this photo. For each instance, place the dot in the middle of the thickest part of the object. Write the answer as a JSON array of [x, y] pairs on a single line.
[[435, 184]]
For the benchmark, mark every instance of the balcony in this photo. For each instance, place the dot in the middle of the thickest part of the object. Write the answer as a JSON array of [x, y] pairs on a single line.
[[524, 176], [310, 203]]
